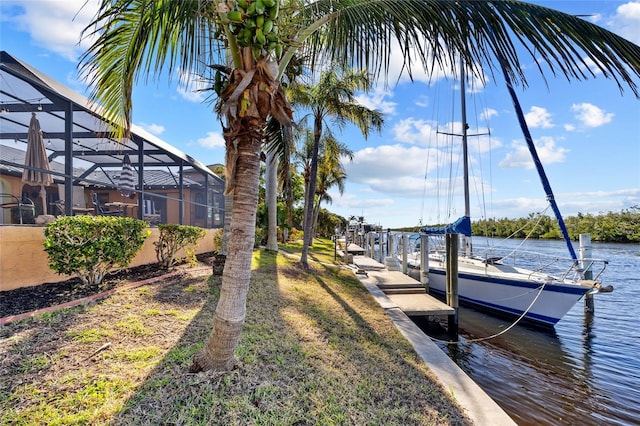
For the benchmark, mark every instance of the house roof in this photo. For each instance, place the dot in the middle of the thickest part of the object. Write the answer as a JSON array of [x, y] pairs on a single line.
[[153, 178], [73, 127]]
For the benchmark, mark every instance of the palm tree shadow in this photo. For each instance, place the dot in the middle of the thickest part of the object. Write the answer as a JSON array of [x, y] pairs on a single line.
[[281, 373]]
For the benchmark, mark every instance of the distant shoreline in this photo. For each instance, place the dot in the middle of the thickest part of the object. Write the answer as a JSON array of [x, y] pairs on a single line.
[[613, 227]]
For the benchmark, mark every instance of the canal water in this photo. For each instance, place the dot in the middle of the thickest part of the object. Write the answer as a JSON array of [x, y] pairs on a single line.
[[586, 371]]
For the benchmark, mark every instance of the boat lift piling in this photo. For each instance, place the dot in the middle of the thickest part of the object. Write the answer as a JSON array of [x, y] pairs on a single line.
[[372, 245], [424, 261], [405, 248], [451, 241], [585, 253]]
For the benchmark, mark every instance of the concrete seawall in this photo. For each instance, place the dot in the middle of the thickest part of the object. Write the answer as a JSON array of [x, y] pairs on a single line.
[[477, 404]]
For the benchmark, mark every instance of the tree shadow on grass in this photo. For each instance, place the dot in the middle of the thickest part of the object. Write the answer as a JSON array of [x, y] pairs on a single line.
[[371, 349], [314, 350], [81, 360]]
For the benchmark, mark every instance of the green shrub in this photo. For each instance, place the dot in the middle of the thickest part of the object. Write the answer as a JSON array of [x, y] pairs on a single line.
[[260, 237], [218, 234], [173, 238], [89, 246], [295, 235]]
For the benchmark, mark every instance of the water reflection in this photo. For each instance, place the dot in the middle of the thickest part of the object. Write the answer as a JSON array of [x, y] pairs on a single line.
[[585, 371], [548, 377], [529, 372]]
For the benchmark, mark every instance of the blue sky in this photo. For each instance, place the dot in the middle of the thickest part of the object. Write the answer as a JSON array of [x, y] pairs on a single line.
[[587, 133]]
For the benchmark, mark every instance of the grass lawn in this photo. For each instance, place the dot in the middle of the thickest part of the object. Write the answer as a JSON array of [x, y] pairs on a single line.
[[315, 349]]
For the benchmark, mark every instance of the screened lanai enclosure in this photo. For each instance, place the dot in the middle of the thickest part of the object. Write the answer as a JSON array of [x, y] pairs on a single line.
[[88, 170]]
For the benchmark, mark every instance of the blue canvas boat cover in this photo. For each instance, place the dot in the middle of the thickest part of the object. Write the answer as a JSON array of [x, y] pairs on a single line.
[[460, 226]]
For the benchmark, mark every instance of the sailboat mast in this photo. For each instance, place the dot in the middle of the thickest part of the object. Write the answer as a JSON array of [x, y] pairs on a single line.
[[536, 160], [465, 154]]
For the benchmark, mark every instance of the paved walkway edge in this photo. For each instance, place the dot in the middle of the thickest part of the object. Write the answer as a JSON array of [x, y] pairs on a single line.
[[477, 404]]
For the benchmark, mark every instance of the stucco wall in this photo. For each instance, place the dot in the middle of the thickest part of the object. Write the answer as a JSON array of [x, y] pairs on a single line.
[[24, 263]]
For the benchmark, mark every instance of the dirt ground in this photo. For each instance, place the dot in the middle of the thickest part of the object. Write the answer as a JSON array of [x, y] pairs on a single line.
[[28, 299]]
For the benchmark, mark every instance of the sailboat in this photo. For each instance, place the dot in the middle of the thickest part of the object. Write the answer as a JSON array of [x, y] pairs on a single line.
[[492, 282]]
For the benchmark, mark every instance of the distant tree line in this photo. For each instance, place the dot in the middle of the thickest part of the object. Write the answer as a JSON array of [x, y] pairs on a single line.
[[613, 227]]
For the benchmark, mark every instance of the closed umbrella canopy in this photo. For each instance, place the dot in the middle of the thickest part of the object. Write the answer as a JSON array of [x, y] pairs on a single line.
[[127, 187], [36, 158]]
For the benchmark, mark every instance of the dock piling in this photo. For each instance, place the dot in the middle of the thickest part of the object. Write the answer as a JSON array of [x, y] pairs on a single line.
[[585, 253], [405, 249], [451, 242], [372, 244], [424, 261]]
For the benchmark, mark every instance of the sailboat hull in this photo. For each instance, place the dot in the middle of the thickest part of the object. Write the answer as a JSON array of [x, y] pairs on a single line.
[[542, 300]]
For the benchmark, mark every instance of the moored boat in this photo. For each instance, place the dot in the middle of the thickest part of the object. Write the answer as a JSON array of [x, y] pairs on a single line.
[[490, 282]]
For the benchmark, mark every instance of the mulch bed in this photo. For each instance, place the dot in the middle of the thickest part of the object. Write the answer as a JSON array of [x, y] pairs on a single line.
[[29, 299]]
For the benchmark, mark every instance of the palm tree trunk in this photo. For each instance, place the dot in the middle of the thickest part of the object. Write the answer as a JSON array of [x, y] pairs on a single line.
[[228, 213], [217, 353], [310, 194], [272, 200], [218, 264], [316, 213]]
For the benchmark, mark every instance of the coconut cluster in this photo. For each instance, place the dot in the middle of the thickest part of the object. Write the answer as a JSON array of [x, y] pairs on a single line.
[[253, 24]]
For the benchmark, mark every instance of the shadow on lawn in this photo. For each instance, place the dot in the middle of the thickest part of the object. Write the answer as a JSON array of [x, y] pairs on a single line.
[[173, 395], [315, 349]]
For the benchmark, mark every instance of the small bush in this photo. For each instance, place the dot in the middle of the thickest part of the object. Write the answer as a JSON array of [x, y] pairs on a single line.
[[218, 234], [260, 238], [173, 238], [295, 235], [89, 246]]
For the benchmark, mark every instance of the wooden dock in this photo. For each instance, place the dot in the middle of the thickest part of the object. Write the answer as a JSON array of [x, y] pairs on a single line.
[[393, 289], [351, 251]]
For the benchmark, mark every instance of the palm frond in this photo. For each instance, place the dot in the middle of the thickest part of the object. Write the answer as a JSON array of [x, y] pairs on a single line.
[[143, 38], [361, 33]]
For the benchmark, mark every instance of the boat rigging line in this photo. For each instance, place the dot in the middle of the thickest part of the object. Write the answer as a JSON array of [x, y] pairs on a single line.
[[481, 339]]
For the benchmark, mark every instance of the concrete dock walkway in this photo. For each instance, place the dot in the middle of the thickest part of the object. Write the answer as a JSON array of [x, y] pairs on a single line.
[[376, 278], [406, 293]]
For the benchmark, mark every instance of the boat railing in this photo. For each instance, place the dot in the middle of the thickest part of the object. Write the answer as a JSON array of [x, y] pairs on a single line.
[[580, 268], [550, 264], [562, 267]]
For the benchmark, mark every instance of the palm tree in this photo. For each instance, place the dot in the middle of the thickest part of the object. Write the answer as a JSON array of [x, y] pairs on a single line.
[[144, 38], [326, 180], [330, 173], [332, 98]]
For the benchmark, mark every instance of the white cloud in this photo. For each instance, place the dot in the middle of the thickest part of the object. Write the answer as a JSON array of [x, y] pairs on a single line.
[[394, 160], [546, 148], [417, 71], [590, 115], [518, 207], [595, 202], [55, 24], [431, 73], [212, 140], [376, 100], [626, 21], [488, 113], [190, 86], [399, 170], [414, 131], [422, 101], [538, 117], [351, 204], [156, 129], [592, 66]]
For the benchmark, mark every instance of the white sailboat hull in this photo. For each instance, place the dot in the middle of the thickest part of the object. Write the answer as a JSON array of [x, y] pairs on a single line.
[[507, 290]]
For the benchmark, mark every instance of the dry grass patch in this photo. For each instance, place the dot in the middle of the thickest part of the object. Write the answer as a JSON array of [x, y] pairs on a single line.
[[315, 349]]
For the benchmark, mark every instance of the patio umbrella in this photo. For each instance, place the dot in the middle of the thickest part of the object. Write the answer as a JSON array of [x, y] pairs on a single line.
[[127, 186], [37, 158]]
